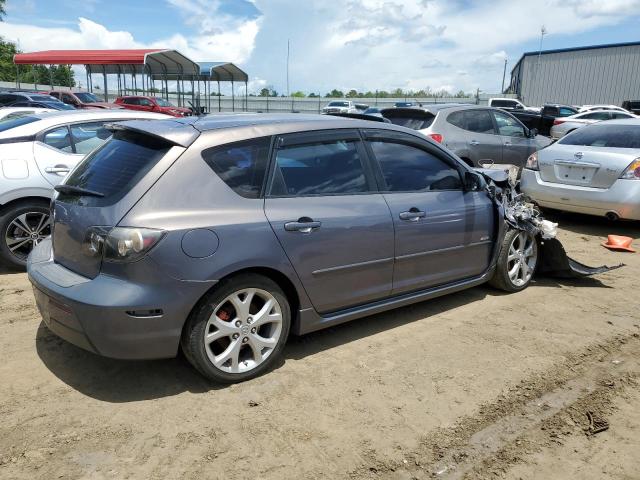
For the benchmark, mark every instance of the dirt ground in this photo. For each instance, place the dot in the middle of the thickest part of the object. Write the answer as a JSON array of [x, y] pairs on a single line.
[[476, 385]]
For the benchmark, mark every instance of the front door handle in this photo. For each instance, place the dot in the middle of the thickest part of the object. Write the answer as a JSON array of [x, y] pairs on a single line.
[[507, 144], [303, 225], [63, 169], [413, 215], [474, 143]]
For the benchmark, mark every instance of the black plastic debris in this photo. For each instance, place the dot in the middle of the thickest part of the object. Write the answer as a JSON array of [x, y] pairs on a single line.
[[554, 262]]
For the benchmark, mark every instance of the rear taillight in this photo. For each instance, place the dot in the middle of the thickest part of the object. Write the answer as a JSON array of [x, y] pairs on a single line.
[[632, 172], [532, 161], [558, 121], [120, 244], [437, 137]]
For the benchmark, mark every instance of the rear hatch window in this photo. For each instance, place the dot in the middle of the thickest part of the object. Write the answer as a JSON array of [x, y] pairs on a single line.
[[116, 167], [410, 118], [611, 135], [95, 194]]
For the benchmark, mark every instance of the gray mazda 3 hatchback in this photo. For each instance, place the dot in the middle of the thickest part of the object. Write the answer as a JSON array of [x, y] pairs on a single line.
[[222, 235]]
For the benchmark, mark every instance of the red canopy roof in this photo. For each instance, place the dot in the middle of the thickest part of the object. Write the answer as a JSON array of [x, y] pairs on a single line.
[[152, 61], [84, 57]]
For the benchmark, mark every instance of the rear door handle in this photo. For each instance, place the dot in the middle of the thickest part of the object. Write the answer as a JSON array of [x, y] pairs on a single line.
[[57, 169], [507, 144], [474, 143], [412, 215], [303, 225]]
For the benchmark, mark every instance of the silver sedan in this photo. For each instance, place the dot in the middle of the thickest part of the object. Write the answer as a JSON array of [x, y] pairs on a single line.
[[593, 170], [564, 125]]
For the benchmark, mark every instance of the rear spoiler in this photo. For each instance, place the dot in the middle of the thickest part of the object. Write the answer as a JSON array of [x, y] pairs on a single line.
[[360, 116], [171, 131]]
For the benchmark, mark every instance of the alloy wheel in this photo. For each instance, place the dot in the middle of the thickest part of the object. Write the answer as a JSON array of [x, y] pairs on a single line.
[[25, 231], [243, 330], [523, 255]]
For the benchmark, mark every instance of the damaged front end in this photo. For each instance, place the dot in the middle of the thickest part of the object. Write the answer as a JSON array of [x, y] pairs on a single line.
[[521, 214]]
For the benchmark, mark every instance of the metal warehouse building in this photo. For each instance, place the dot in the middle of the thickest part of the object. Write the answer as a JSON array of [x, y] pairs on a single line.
[[606, 74]]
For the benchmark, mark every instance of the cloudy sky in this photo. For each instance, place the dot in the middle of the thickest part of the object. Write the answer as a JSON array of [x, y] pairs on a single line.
[[345, 44]]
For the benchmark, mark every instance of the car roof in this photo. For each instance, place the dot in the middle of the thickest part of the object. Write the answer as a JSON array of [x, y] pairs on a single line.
[[621, 121], [183, 131], [434, 108], [61, 117], [588, 112]]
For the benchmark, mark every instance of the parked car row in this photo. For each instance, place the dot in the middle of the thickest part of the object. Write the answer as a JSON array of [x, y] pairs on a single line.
[[67, 100]]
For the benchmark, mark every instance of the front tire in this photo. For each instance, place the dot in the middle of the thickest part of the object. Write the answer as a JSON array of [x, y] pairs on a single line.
[[238, 330], [517, 261], [22, 227]]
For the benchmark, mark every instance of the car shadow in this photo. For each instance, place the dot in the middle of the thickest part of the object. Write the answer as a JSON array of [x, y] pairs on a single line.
[[118, 381]]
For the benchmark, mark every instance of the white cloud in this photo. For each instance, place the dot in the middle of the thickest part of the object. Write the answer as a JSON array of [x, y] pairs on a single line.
[[361, 44]]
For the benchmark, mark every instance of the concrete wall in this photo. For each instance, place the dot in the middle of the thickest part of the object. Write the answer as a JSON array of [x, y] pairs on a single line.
[[603, 75]]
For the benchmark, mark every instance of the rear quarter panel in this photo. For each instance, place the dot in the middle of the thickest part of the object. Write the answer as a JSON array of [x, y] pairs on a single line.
[[190, 196]]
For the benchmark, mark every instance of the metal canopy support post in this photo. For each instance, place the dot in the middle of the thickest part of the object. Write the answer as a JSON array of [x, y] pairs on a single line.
[[51, 76], [17, 76], [104, 75], [193, 93], [246, 96], [233, 98], [219, 104]]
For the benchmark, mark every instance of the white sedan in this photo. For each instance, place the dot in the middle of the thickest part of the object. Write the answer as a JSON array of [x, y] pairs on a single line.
[[38, 151], [563, 125]]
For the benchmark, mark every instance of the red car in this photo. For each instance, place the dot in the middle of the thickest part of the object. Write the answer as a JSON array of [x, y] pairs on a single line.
[[152, 104], [81, 99]]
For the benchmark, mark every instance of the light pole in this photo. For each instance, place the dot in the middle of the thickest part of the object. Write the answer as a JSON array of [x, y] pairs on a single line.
[[504, 74]]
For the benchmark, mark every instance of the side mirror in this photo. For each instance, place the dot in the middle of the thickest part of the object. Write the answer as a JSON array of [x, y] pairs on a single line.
[[472, 181], [533, 132]]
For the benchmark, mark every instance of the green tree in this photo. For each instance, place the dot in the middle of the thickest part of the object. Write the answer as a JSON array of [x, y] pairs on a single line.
[[298, 94], [7, 68], [313, 95], [2, 11], [352, 93], [335, 94]]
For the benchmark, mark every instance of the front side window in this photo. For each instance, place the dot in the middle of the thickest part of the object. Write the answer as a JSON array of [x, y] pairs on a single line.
[[508, 126], [66, 98], [59, 138], [410, 169], [621, 115], [478, 121], [131, 101], [241, 165], [89, 136], [503, 103], [145, 102], [7, 99], [566, 112], [328, 168]]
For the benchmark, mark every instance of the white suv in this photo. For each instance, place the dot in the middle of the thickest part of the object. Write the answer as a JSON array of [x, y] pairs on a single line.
[[36, 153]]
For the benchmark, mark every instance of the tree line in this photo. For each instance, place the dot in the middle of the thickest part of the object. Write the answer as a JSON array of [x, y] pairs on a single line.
[[39, 74], [397, 93]]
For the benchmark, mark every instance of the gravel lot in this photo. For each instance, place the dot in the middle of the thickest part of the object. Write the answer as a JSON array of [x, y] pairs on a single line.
[[477, 384]]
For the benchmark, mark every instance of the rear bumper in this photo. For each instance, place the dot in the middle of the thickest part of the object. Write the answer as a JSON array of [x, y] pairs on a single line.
[[110, 316], [622, 198]]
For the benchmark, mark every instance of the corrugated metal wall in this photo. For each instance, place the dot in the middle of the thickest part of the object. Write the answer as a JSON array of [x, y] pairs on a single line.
[[603, 75]]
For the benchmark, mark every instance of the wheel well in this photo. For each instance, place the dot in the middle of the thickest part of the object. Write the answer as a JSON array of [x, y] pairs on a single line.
[[19, 201], [280, 278]]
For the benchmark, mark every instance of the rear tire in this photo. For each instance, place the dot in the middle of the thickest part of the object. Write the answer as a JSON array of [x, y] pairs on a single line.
[[238, 330], [22, 226], [517, 261]]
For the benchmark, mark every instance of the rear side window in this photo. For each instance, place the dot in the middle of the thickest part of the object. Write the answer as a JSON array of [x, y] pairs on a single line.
[[566, 112], [59, 138], [116, 167], [409, 169], [332, 168], [596, 116], [13, 122], [503, 103], [478, 121], [604, 135], [241, 165]]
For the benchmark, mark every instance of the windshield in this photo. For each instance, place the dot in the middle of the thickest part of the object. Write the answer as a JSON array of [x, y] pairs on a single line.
[[163, 103], [86, 97], [604, 135], [12, 122], [338, 104]]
